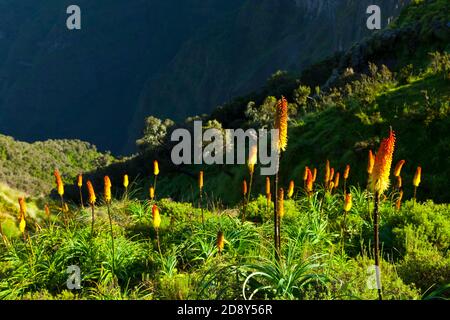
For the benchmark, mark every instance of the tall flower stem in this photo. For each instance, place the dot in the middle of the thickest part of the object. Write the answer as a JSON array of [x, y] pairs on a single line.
[[250, 188], [343, 232], [157, 241], [201, 207], [154, 185], [377, 244], [81, 198], [415, 195], [93, 219], [112, 239], [275, 220]]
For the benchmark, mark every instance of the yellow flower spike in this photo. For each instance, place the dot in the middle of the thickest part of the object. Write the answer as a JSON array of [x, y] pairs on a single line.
[[156, 217], [291, 189], [379, 180], [281, 123], [22, 224], [310, 181], [220, 242], [80, 180], [417, 177], [125, 181], [107, 189], [155, 168], [280, 208], [152, 193], [92, 197], [348, 202], [267, 185], [398, 168], [252, 159]]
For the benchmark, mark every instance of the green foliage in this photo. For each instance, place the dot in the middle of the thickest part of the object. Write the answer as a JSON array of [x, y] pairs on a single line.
[[29, 167]]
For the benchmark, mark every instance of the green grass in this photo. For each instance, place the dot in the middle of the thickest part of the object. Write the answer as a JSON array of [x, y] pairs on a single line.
[[315, 263]]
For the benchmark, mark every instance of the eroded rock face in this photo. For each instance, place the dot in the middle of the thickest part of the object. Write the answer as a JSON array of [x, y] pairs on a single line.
[[167, 58]]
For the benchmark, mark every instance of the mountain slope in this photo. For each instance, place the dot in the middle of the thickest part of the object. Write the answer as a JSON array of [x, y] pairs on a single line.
[[345, 120], [166, 58]]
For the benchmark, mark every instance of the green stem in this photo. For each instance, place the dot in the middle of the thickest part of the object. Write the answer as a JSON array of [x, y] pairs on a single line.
[[343, 232], [93, 219], [81, 198], [112, 240], [377, 244], [201, 207], [154, 186], [157, 241], [250, 188]]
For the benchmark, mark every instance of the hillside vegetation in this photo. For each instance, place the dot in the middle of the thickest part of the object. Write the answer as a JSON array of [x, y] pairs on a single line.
[[207, 232], [28, 166]]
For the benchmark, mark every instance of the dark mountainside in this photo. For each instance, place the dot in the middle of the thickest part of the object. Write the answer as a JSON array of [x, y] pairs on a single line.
[[164, 58]]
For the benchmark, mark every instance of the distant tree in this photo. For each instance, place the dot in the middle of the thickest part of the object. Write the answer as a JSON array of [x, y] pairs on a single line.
[[155, 131]]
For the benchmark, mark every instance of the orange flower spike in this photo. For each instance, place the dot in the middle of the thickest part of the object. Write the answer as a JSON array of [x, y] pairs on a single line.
[[314, 175], [382, 165], [398, 168], [59, 183], [92, 197], [305, 174], [336, 180], [269, 197], [346, 172], [417, 177], [370, 163], [310, 181], [331, 174], [244, 187], [267, 185], [200, 180], [348, 202], [280, 208], [80, 180], [291, 189], [22, 206], [47, 210], [327, 172], [281, 123], [107, 189]]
